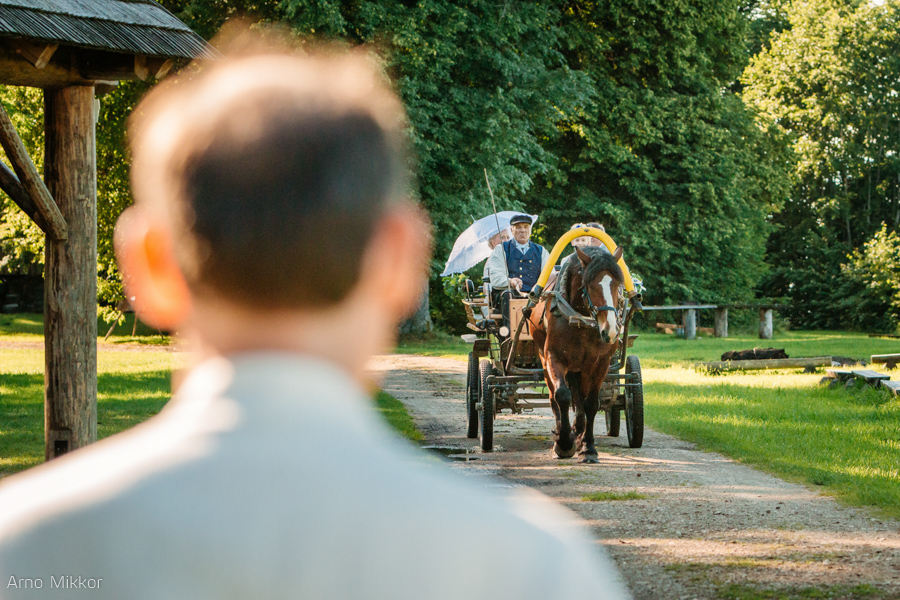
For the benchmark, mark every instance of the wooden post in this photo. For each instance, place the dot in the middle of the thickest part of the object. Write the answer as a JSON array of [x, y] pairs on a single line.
[[721, 322], [70, 276], [690, 324], [765, 323]]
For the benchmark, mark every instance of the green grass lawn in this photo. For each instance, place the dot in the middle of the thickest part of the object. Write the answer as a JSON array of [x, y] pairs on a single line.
[[131, 387], [24, 327], [845, 442]]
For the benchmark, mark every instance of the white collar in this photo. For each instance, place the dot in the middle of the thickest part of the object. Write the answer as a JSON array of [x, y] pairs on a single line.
[[522, 248]]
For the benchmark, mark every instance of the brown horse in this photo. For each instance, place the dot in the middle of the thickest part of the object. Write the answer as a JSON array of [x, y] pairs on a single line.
[[576, 358]]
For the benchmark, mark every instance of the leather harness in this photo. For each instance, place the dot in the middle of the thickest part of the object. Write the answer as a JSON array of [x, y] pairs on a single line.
[[559, 305]]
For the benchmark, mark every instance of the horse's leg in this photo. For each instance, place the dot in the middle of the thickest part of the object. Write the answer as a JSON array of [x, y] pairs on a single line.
[[591, 407], [561, 400], [573, 380]]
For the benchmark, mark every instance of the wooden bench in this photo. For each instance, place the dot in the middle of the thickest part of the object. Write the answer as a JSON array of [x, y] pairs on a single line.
[[892, 386], [870, 377], [873, 378], [891, 360]]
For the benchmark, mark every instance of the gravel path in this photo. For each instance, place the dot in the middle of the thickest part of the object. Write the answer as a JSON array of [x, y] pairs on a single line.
[[703, 526]]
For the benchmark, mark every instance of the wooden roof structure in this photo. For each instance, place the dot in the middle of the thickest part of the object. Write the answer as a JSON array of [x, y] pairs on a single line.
[[68, 42], [71, 48], [130, 26]]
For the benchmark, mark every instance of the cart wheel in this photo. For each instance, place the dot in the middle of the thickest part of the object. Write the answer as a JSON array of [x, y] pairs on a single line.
[[487, 408], [613, 418], [472, 387], [634, 403]]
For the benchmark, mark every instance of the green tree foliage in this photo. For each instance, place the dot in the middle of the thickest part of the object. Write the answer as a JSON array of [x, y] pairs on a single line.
[[113, 189], [873, 278], [765, 18], [667, 157], [21, 241], [830, 83], [485, 86], [622, 111]]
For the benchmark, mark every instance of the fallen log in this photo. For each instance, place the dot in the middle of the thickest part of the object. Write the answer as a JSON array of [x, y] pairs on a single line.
[[772, 363]]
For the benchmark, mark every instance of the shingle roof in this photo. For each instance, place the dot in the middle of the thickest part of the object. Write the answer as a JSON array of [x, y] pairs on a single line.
[[129, 26]]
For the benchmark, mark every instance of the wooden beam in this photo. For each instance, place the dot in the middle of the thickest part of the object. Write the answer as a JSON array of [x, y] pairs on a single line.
[[70, 276], [771, 363], [44, 58], [102, 88], [681, 307], [10, 184], [30, 179], [38, 54], [164, 69], [140, 67], [15, 69]]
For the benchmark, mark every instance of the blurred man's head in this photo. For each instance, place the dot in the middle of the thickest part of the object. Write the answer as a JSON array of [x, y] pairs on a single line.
[[253, 172]]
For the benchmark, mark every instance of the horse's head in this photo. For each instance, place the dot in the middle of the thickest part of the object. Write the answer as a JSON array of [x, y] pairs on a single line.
[[602, 283]]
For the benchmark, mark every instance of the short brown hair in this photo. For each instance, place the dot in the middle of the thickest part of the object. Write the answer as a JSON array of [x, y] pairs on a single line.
[[272, 169]]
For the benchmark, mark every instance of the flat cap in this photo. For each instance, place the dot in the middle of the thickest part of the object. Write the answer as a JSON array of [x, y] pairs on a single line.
[[520, 219]]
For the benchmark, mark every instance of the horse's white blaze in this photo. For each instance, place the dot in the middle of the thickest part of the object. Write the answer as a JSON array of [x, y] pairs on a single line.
[[606, 286]]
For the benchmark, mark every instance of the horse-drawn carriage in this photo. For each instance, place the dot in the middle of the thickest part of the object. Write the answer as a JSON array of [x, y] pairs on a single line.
[[562, 346]]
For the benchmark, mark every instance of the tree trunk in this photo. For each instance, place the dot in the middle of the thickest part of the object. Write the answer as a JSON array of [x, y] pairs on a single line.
[[420, 322], [70, 286]]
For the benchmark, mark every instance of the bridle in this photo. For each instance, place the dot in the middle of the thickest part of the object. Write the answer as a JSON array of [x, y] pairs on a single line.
[[597, 310]]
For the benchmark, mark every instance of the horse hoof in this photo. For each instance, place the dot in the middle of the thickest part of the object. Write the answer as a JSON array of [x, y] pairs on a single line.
[[590, 459], [563, 453]]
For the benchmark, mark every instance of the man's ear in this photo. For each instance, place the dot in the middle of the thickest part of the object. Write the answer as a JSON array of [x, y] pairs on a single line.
[[395, 267], [153, 281]]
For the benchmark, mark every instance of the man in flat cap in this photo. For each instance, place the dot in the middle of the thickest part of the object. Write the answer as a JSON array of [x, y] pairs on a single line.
[[516, 265]]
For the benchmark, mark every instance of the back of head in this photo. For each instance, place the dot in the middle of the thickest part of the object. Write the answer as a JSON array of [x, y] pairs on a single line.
[[272, 169]]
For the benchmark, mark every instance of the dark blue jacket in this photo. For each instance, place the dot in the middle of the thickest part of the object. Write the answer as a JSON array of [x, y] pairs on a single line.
[[527, 267]]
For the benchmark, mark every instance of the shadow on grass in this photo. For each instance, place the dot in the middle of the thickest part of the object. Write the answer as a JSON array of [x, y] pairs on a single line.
[[123, 400]]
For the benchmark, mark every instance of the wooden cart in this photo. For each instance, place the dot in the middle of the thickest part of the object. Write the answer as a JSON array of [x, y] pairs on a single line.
[[505, 373]]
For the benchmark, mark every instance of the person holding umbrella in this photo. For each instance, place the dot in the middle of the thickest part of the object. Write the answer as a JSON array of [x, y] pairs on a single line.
[[478, 240], [493, 242]]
